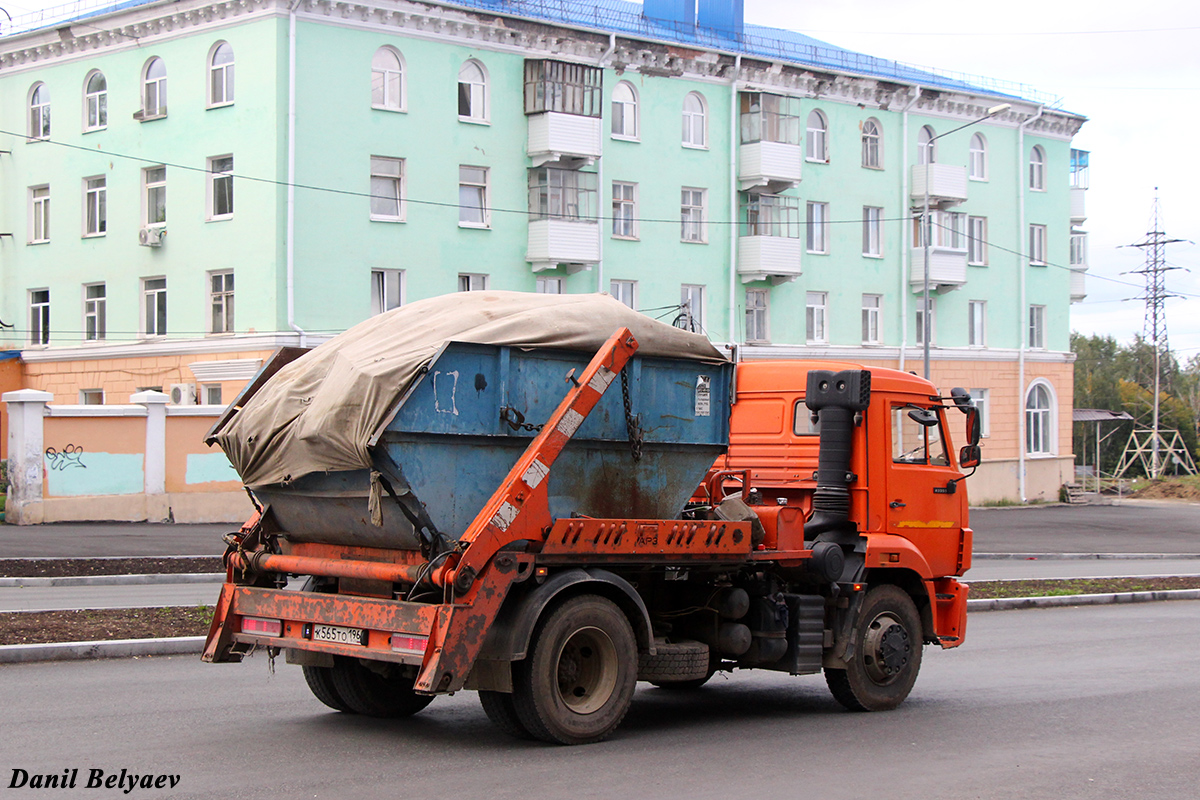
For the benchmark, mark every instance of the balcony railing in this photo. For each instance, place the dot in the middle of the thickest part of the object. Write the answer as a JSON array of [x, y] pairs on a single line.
[[1078, 208], [947, 268], [575, 243], [769, 167], [773, 258], [947, 183], [1078, 284], [554, 136]]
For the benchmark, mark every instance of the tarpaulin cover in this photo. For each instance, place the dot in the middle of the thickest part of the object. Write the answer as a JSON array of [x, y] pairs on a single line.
[[319, 412]]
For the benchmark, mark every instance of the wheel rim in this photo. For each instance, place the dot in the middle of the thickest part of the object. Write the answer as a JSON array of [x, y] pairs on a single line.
[[887, 649], [587, 670]]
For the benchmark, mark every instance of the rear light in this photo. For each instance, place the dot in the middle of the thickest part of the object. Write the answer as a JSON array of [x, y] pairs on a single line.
[[261, 626], [408, 643]]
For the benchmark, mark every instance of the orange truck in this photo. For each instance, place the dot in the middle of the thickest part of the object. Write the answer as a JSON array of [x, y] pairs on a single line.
[[827, 536]]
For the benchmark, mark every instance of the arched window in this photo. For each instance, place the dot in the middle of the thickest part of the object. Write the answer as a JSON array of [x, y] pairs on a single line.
[[95, 101], [926, 146], [39, 112], [472, 92], [695, 120], [978, 165], [624, 111], [817, 148], [1037, 168], [154, 89], [220, 75], [1039, 419], [872, 144], [387, 80]]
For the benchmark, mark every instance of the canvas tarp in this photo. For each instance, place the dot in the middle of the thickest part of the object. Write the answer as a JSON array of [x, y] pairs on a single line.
[[318, 413]]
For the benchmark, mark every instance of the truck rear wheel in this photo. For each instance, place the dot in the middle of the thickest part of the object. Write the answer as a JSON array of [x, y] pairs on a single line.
[[887, 653], [502, 712], [577, 684], [320, 682], [388, 693]]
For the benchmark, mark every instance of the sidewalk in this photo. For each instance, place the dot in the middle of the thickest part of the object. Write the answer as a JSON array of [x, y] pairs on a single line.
[[101, 539]]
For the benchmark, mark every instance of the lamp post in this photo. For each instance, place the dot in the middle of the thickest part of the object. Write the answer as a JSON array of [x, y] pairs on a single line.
[[927, 229]]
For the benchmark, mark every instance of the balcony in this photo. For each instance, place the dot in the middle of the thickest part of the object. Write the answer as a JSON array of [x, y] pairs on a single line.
[[565, 138], [769, 167], [554, 242], [947, 268], [947, 184], [1078, 284], [769, 258], [1078, 209]]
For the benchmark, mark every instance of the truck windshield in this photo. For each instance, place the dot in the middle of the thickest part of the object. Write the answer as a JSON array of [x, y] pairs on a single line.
[[914, 443]]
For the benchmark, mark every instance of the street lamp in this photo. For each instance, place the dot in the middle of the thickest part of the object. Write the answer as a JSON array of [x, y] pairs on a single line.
[[927, 228]]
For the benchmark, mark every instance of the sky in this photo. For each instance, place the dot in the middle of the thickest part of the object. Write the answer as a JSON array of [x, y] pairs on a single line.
[[1132, 68]]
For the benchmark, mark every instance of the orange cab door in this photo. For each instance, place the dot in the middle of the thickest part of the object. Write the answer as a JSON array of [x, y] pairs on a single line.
[[920, 505]]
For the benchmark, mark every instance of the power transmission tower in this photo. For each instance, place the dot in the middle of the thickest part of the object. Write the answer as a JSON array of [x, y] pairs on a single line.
[[1155, 327]]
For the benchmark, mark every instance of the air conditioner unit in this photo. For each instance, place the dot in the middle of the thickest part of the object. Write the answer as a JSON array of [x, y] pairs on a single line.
[[151, 237], [183, 394]]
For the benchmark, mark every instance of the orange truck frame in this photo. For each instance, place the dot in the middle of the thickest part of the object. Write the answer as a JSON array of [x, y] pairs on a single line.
[[828, 538]]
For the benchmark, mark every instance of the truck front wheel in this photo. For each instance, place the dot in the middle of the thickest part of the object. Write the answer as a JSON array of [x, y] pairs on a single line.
[[384, 692], [577, 684], [887, 653]]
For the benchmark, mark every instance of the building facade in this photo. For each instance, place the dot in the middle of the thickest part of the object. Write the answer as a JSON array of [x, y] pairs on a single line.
[[189, 185]]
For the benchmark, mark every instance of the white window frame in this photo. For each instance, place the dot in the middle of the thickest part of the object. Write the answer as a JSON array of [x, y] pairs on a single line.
[[91, 397], [872, 144], [95, 103], [926, 146], [39, 112], [816, 318], [156, 87], [151, 187], [39, 214], [872, 232], [624, 291], [977, 244], [691, 307], [387, 290], [476, 94], [1041, 424], [816, 141], [95, 312], [919, 313], [695, 122], [388, 80], [976, 323], [980, 397], [39, 317], [207, 390], [158, 296], [872, 319], [1078, 252], [758, 316], [548, 286], [1037, 245], [472, 282], [1037, 169], [95, 206], [626, 110], [977, 158], [387, 184], [1036, 337], [480, 191], [221, 287], [624, 210], [220, 77], [817, 228], [693, 215], [220, 174]]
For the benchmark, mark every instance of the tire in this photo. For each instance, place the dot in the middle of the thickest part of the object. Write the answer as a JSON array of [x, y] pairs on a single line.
[[887, 653], [577, 683], [368, 692], [320, 682], [675, 663], [502, 712]]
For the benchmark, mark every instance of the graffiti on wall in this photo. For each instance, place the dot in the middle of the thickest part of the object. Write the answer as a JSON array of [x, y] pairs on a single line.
[[71, 456]]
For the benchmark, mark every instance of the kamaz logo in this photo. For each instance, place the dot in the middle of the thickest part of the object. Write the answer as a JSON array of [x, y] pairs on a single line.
[[647, 536]]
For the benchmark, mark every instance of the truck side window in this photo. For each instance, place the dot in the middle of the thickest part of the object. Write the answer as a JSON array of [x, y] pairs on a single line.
[[802, 424], [914, 443]]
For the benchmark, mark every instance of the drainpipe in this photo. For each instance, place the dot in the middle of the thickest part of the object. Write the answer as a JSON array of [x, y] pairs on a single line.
[[291, 178], [733, 195], [612, 45], [906, 257], [1023, 334]]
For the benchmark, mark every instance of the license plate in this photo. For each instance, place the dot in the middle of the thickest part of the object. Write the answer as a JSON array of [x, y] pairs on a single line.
[[339, 635]]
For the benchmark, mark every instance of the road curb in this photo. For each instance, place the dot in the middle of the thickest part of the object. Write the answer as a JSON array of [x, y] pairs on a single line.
[[114, 580], [116, 648], [1015, 603]]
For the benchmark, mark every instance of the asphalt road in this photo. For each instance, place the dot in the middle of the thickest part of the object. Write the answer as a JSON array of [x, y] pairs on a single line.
[[1062, 703]]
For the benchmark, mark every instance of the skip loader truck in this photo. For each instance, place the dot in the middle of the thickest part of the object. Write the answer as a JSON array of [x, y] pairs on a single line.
[[547, 499]]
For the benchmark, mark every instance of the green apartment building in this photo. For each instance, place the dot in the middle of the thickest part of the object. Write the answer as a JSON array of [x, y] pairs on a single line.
[[188, 185]]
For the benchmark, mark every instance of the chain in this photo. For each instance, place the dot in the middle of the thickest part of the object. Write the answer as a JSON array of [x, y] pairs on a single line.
[[631, 422], [516, 420]]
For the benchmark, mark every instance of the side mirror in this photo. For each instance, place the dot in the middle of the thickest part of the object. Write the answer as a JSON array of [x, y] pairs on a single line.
[[969, 456], [923, 416], [961, 398], [974, 426]]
